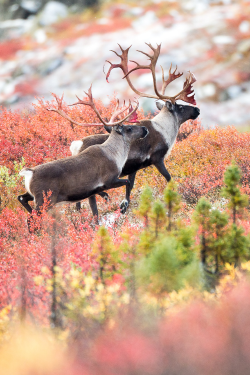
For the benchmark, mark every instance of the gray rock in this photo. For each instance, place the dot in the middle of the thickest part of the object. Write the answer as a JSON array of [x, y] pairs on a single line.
[[146, 20], [234, 91], [136, 11], [223, 39], [52, 12], [15, 28], [40, 35], [31, 6], [244, 27], [207, 91], [12, 99], [2, 85], [13, 11], [49, 66]]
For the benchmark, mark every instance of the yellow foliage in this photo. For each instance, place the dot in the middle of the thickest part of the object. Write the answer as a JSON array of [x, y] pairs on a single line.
[[29, 351], [38, 279]]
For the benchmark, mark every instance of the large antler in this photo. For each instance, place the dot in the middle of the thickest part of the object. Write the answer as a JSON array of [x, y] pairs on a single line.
[[118, 111], [187, 87], [124, 66], [187, 90], [171, 78], [60, 111], [182, 95]]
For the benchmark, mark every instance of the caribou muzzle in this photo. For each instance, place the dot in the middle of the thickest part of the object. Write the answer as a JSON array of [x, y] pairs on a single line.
[[195, 114]]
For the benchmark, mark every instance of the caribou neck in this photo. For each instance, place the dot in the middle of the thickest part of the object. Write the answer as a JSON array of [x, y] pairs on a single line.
[[166, 123], [117, 148]]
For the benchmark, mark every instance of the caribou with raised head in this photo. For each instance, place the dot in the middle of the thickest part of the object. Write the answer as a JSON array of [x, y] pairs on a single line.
[[163, 128], [92, 171]]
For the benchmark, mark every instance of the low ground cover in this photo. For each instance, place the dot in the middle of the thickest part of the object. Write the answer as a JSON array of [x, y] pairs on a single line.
[[162, 289]]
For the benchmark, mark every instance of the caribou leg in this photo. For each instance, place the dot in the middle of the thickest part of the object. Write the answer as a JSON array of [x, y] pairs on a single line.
[[124, 204], [116, 184], [94, 209], [24, 199], [103, 194], [162, 169]]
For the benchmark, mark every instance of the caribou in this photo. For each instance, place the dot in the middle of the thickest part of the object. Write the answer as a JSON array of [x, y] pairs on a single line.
[[90, 172], [163, 128]]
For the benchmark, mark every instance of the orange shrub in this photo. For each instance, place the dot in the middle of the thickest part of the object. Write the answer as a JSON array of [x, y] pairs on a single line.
[[197, 161]]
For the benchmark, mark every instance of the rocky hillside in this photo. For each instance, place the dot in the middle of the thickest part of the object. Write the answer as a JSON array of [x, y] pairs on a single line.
[[56, 47]]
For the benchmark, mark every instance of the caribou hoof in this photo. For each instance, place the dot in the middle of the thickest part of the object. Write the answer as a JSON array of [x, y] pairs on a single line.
[[124, 206], [78, 206], [105, 196]]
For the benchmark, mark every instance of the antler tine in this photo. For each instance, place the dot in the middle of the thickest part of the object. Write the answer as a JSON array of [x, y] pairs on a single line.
[[58, 100], [150, 46], [155, 50], [187, 87], [153, 60], [124, 67], [89, 95], [92, 105], [187, 90], [171, 77], [123, 109], [60, 111], [118, 111], [133, 115], [183, 94], [117, 54], [124, 62]]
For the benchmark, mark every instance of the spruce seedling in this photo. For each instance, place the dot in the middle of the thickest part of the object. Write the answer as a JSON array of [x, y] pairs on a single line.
[[238, 246], [158, 215], [172, 200], [202, 218], [145, 203], [107, 256], [231, 190], [219, 242]]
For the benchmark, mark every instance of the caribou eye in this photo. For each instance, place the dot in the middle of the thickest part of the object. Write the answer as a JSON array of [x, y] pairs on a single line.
[[129, 129]]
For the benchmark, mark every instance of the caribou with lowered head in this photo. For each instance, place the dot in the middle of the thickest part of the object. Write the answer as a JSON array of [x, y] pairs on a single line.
[[163, 128], [92, 171]]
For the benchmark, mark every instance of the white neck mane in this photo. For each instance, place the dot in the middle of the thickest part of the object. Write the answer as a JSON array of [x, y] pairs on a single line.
[[166, 124]]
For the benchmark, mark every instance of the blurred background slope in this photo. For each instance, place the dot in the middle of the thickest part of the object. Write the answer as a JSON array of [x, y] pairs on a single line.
[[61, 47]]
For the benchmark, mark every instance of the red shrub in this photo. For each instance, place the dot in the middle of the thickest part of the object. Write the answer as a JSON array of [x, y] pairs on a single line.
[[9, 48], [202, 339], [26, 88]]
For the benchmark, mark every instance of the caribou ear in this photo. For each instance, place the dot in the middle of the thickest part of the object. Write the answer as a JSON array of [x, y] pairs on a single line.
[[108, 128], [170, 106], [159, 105], [119, 129]]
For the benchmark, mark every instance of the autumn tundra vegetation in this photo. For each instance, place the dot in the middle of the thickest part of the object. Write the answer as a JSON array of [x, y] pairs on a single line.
[[162, 289]]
